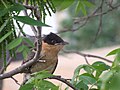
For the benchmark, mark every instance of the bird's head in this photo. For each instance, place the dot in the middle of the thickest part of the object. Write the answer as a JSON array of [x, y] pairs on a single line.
[[54, 42]]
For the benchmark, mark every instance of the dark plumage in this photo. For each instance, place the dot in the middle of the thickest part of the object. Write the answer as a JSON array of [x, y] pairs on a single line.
[[52, 39]]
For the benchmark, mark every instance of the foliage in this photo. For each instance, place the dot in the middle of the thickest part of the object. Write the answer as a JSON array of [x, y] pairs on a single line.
[[9, 39], [99, 76], [91, 77], [37, 82]]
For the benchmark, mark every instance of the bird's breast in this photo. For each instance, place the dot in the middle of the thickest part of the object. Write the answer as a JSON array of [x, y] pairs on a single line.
[[47, 65], [49, 55], [49, 62]]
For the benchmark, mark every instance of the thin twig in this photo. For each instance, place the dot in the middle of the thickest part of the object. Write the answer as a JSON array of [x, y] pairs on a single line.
[[98, 14], [8, 63], [64, 81], [72, 30], [30, 7], [32, 27], [87, 61], [77, 20], [26, 14], [88, 55], [15, 81], [39, 29], [109, 3], [100, 22]]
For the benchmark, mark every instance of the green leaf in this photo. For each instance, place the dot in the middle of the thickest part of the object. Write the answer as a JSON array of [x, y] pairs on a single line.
[[77, 70], [42, 74], [98, 73], [14, 43], [46, 85], [114, 82], [87, 78], [20, 49], [81, 86], [5, 36], [56, 3], [111, 79], [3, 12], [101, 66], [76, 73], [17, 7], [28, 86], [87, 3], [39, 76], [14, 7], [89, 69], [62, 5], [77, 8], [105, 80], [31, 80], [38, 80], [4, 24], [83, 8], [116, 62], [80, 6], [113, 52], [25, 51], [28, 41], [29, 21]]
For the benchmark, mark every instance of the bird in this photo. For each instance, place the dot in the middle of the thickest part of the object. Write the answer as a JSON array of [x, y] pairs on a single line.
[[51, 46]]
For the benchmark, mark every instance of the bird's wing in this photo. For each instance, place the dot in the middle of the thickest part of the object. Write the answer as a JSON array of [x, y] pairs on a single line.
[[55, 66]]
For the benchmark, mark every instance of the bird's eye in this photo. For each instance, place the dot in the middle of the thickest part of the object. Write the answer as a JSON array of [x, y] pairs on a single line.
[[53, 41]]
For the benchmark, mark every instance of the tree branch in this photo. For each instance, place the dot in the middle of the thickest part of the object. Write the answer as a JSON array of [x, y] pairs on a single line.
[[88, 55], [25, 12], [100, 21], [19, 69], [96, 14], [8, 63], [64, 81], [39, 39], [86, 60]]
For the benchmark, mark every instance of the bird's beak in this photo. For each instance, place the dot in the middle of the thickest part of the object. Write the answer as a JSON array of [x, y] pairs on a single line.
[[62, 43], [65, 43]]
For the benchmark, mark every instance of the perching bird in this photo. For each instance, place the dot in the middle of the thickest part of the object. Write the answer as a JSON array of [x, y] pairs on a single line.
[[51, 45]]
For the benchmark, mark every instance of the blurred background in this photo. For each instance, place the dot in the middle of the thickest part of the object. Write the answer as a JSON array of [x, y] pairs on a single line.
[[85, 37]]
